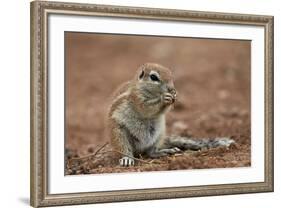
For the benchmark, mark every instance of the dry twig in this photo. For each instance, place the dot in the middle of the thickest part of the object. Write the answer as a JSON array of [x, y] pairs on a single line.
[[89, 157]]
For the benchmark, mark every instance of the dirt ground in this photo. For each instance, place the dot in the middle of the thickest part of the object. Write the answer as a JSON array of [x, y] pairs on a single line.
[[212, 78]]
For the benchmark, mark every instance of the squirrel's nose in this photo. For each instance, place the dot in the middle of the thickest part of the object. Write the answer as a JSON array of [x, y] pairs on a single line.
[[172, 90]]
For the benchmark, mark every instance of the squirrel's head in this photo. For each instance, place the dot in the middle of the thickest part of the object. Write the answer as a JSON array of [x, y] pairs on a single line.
[[156, 77]]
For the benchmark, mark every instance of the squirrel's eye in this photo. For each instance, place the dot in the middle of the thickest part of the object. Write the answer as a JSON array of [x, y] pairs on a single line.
[[153, 77], [141, 75]]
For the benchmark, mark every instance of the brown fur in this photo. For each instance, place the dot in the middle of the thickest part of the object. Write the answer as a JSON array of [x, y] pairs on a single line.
[[130, 93]]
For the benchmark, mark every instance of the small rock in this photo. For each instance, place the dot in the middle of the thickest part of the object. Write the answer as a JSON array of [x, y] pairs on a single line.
[[181, 128], [223, 94], [179, 125], [91, 150]]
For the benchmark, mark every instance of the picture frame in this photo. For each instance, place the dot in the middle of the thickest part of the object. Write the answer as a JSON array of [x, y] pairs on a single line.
[[40, 102]]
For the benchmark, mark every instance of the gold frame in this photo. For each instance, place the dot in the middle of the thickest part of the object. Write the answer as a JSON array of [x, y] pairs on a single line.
[[39, 103]]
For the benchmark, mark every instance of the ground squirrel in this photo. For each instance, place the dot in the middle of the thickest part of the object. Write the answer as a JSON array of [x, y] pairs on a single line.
[[136, 119]]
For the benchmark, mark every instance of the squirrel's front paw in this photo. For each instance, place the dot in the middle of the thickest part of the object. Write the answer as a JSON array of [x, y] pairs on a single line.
[[169, 98], [126, 161]]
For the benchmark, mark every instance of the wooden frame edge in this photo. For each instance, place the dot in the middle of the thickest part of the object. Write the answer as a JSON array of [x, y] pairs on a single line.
[[38, 89], [269, 103]]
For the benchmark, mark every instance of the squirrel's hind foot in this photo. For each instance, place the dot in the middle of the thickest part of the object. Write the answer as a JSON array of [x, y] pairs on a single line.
[[163, 152]]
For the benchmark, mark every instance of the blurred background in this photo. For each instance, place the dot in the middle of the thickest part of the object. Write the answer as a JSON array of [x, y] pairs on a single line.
[[212, 78]]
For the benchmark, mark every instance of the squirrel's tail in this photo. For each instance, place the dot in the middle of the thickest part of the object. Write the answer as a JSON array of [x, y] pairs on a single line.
[[186, 143]]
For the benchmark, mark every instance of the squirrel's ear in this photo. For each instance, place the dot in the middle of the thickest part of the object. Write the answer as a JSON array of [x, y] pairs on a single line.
[[141, 74]]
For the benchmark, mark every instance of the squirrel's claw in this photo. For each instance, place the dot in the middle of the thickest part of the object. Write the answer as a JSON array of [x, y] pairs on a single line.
[[169, 98], [126, 161]]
